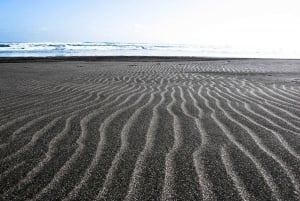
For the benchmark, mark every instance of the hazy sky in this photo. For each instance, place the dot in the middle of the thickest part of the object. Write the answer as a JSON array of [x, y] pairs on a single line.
[[208, 22]]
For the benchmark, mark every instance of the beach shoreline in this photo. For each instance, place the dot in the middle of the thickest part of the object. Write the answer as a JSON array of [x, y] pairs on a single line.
[[127, 58]]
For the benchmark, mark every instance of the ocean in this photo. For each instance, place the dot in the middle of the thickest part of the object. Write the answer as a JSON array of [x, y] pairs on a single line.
[[8, 49]]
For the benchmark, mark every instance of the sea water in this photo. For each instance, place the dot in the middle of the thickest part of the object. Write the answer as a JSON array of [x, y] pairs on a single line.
[[13, 49]]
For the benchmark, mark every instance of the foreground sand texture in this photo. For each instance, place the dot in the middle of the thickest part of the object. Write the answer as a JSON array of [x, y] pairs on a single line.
[[189, 130]]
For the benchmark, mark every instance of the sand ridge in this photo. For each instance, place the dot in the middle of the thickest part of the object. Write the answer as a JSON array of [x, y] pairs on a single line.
[[150, 130]]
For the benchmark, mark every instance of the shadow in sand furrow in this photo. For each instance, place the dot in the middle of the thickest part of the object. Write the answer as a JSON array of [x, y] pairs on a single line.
[[61, 144], [276, 108], [270, 136], [277, 96], [197, 114], [66, 99], [110, 128], [47, 107], [20, 99], [294, 89], [26, 129], [75, 106], [73, 169], [267, 177], [7, 128], [282, 91], [247, 137], [25, 161], [181, 181], [265, 120], [146, 182], [208, 158], [273, 146], [133, 140], [260, 109], [23, 135], [36, 97], [103, 115], [280, 115], [10, 170], [30, 84], [88, 115], [44, 112], [45, 100], [211, 130], [286, 91], [251, 179], [40, 136], [290, 109]]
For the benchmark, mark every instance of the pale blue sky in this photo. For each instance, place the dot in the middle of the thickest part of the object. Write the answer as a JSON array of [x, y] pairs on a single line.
[[207, 22]]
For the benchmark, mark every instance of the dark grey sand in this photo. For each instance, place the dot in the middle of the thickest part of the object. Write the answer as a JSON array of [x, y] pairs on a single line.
[[149, 129]]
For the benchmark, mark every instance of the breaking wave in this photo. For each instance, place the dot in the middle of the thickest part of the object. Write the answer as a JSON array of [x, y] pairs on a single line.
[[136, 49]]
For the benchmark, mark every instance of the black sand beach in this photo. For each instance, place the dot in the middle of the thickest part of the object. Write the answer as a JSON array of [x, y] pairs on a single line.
[[149, 128]]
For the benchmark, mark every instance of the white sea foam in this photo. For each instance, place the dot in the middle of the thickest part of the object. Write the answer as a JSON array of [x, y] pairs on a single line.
[[138, 49]]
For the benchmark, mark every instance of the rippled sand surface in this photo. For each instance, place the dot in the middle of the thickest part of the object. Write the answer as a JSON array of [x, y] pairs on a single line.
[[155, 130]]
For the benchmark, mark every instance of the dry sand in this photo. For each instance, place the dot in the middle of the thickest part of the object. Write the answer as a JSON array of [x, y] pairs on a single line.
[[149, 129]]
